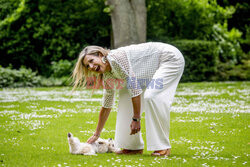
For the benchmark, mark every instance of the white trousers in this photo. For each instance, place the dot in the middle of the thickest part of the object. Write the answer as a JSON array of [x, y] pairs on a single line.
[[156, 104]]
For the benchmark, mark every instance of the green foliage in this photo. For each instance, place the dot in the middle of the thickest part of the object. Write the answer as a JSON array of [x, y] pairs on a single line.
[[245, 43], [48, 31], [201, 59], [62, 68], [61, 72], [227, 71], [240, 21], [228, 42], [206, 20], [179, 19], [240, 18], [43, 34], [204, 62], [27, 78], [7, 7], [52, 81], [18, 78], [15, 15]]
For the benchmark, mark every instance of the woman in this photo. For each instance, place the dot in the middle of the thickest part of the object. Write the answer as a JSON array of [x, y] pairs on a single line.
[[151, 72]]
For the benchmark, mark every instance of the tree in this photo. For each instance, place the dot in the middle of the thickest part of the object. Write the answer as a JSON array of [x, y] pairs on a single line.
[[128, 19]]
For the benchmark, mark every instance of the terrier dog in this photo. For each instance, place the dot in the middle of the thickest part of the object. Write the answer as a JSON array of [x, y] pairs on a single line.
[[99, 146]]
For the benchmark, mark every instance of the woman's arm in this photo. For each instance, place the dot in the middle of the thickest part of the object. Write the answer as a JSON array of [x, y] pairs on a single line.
[[136, 125], [137, 106], [103, 116]]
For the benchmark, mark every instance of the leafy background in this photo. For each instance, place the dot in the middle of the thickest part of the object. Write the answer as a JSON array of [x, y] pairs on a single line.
[[40, 35]]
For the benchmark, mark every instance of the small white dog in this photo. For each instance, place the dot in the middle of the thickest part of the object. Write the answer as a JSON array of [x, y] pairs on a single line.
[[99, 146]]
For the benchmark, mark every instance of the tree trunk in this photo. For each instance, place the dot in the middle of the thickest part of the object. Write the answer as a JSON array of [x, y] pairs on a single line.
[[129, 21]]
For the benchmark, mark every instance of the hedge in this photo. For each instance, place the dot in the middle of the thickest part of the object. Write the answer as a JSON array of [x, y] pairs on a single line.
[[24, 77], [18, 78], [201, 59], [202, 63]]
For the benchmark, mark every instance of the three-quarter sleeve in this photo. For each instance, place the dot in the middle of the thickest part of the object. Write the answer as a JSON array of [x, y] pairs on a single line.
[[122, 67], [121, 70], [108, 98], [108, 93]]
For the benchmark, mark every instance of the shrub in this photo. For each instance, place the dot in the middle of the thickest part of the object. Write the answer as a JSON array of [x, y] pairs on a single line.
[[38, 32], [61, 68], [228, 43], [27, 78], [18, 78], [201, 59], [204, 61], [189, 19], [228, 71], [51, 81]]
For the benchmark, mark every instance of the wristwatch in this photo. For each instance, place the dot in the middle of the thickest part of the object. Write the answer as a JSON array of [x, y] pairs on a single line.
[[136, 119]]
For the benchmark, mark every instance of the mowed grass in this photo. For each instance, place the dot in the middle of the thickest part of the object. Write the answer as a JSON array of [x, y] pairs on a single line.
[[209, 127]]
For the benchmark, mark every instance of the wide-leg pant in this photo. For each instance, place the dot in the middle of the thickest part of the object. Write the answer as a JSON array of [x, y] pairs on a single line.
[[156, 104]]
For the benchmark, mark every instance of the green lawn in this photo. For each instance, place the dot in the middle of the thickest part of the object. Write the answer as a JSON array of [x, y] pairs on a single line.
[[210, 126]]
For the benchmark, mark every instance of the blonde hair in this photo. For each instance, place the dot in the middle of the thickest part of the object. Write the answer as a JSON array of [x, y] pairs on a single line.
[[80, 72]]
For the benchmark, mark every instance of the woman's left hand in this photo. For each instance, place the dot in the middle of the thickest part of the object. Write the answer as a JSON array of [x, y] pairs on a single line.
[[135, 127]]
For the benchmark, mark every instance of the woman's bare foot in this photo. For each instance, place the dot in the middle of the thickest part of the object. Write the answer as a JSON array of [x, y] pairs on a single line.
[[125, 151], [161, 152]]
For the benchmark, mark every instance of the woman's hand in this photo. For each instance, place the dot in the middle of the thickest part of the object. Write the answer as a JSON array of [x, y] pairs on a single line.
[[135, 127], [103, 116], [92, 139]]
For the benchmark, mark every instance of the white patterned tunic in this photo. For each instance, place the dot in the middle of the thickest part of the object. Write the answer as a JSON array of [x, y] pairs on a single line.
[[135, 63]]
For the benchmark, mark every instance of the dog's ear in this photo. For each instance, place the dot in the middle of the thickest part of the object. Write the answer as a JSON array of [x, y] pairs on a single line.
[[100, 142], [69, 134]]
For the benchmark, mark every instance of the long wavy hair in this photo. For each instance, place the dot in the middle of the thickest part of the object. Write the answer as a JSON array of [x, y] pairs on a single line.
[[80, 72]]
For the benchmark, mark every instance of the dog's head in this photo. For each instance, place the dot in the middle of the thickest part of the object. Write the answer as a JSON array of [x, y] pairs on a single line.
[[101, 146], [111, 145], [106, 145], [111, 142]]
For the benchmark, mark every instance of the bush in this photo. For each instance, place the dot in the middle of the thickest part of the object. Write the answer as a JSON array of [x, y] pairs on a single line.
[[18, 78], [35, 33], [201, 59], [179, 19], [51, 81], [62, 68], [27, 78], [227, 71], [228, 43], [204, 62]]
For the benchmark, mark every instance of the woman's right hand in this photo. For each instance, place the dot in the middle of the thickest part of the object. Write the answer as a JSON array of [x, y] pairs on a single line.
[[103, 116], [92, 139]]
